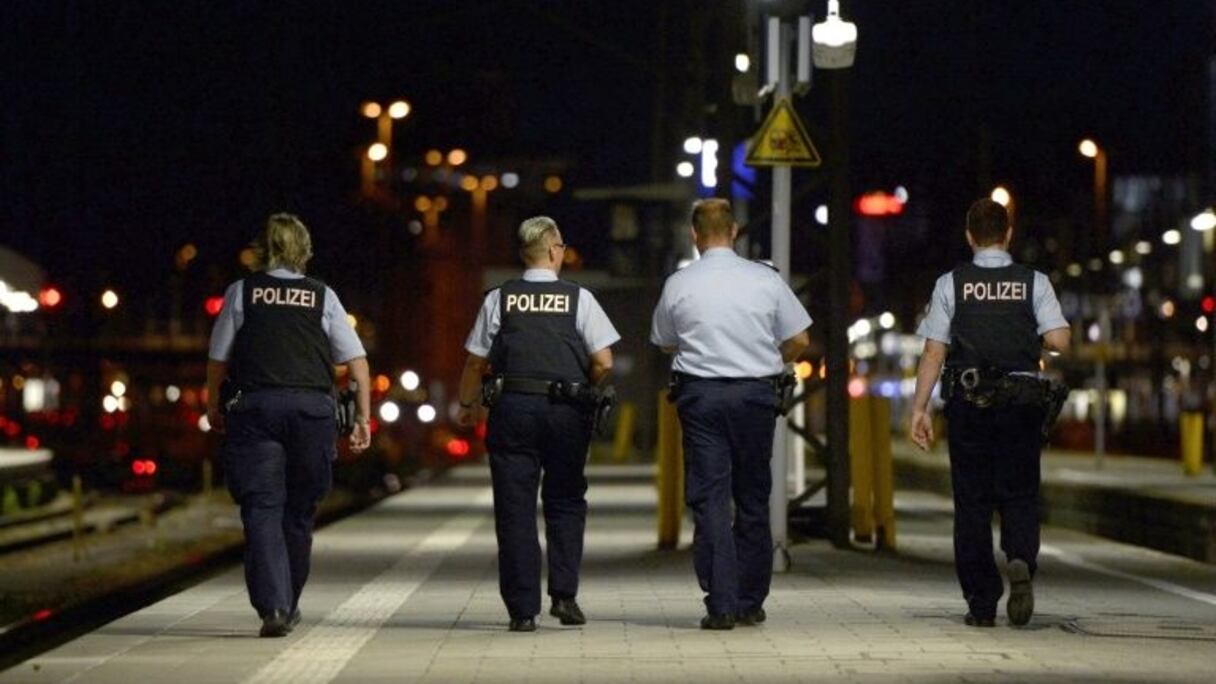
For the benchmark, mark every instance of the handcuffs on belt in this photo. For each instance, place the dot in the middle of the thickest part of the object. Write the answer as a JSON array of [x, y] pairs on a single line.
[[996, 389]]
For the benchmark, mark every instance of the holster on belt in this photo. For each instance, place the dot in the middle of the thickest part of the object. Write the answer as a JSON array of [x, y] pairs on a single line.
[[783, 387], [993, 389], [491, 389]]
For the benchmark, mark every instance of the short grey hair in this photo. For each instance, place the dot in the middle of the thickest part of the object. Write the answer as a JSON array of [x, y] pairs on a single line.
[[532, 234]]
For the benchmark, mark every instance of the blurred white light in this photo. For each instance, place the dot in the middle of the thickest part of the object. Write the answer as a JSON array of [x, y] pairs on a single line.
[[1001, 196], [709, 164], [109, 299], [1171, 237], [1201, 324], [377, 152], [110, 403], [901, 194], [1088, 148], [887, 320], [1095, 264], [1194, 281], [1204, 221], [692, 145], [33, 395], [510, 180], [1116, 257], [426, 413], [124, 404], [685, 169], [1074, 270], [821, 214], [410, 381], [399, 109], [173, 393], [1094, 333], [1144, 248], [390, 412], [742, 63], [203, 423], [118, 388], [1167, 309], [1133, 278]]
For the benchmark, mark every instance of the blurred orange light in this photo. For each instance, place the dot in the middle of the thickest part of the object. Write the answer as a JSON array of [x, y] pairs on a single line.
[[488, 183], [248, 257], [878, 204], [553, 184], [50, 297], [468, 183], [371, 109], [457, 157], [422, 203], [458, 448], [804, 370], [382, 383], [434, 157], [150, 467]]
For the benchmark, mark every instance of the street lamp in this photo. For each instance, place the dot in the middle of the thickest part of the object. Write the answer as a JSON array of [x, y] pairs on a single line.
[[1091, 150]]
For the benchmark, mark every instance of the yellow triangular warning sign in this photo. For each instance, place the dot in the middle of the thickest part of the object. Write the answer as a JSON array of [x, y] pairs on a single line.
[[782, 140]]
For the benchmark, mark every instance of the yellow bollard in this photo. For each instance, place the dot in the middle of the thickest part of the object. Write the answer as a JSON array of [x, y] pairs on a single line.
[[884, 473], [622, 439], [1191, 428], [669, 475], [861, 462]]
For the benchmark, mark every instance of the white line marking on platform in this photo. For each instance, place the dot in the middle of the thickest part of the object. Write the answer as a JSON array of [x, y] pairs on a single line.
[[1169, 587], [325, 650]]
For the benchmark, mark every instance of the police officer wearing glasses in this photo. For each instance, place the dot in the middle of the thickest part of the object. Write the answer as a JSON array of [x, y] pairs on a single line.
[[539, 353], [732, 324], [987, 323], [276, 341]]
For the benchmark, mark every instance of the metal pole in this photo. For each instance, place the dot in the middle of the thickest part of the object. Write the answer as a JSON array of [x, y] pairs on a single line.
[[1100, 372], [840, 279], [778, 500]]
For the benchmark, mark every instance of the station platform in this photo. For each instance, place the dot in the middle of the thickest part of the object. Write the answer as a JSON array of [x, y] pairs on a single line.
[[406, 591]]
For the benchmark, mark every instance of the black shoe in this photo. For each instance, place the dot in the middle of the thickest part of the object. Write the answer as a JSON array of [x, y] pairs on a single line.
[[293, 619], [568, 612], [973, 621], [523, 624], [275, 624], [718, 621], [751, 617], [1020, 605]]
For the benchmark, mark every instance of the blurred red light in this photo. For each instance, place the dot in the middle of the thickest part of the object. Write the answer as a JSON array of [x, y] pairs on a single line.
[[12, 429], [137, 467], [32, 442], [480, 430], [107, 422], [214, 305], [42, 614], [150, 467], [878, 204], [1209, 304], [50, 297], [373, 426], [458, 448]]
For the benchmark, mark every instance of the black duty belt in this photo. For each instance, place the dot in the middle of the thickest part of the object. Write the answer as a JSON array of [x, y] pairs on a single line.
[[783, 385], [527, 385]]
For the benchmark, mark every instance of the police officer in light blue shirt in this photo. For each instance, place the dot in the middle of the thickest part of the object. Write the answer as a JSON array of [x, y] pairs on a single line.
[[277, 339], [547, 344], [732, 324], [987, 324]]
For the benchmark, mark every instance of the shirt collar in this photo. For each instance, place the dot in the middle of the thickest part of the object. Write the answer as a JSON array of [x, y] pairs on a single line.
[[539, 275], [283, 273], [718, 252], [992, 256]]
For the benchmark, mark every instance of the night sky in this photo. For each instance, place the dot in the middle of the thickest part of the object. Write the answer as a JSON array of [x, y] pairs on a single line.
[[130, 128]]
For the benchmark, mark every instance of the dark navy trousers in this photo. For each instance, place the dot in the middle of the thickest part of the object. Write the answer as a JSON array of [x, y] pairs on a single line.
[[728, 443], [534, 441], [994, 466], [278, 460]]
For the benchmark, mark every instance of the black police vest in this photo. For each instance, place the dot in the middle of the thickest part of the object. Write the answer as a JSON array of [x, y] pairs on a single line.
[[994, 324], [538, 337], [281, 342]]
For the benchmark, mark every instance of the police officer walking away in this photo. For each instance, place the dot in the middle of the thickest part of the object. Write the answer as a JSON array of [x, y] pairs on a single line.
[[276, 340], [542, 347], [732, 324], [988, 322]]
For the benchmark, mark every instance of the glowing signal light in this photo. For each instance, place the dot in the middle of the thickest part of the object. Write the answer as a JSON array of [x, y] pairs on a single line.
[[150, 467], [458, 448], [878, 204], [143, 467], [1209, 304], [50, 297], [43, 614], [213, 305], [32, 442], [137, 467]]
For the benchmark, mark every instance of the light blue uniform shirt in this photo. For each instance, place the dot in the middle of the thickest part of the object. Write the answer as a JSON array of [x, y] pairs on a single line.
[[590, 320], [936, 324], [726, 317], [344, 344]]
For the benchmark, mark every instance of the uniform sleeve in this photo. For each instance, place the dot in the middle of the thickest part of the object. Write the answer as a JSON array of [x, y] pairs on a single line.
[[936, 324], [593, 324], [662, 327], [1046, 306], [481, 337], [227, 323], [792, 317], [344, 343]]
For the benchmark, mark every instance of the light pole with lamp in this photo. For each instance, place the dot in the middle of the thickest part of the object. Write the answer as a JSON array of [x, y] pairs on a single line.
[[1091, 150], [1205, 223]]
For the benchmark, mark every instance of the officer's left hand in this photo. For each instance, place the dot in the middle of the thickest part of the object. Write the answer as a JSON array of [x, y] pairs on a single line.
[[360, 437], [922, 429]]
